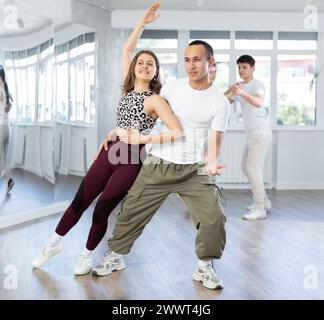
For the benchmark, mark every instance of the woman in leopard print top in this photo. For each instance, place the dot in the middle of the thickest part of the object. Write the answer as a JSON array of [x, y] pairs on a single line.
[[138, 110]]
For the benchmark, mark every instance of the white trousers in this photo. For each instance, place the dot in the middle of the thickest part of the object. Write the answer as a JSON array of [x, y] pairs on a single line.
[[4, 142], [255, 152]]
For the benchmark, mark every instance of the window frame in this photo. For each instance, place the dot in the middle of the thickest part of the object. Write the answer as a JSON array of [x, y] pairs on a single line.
[[71, 60]]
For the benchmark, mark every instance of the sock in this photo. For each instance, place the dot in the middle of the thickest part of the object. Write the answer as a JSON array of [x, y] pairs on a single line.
[[117, 255], [87, 253], [54, 240], [204, 264]]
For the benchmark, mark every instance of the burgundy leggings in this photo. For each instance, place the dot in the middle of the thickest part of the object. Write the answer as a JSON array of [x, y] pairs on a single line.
[[112, 181]]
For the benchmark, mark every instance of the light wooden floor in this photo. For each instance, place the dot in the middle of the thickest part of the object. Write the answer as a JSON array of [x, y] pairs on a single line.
[[262, 260], [32, 192]]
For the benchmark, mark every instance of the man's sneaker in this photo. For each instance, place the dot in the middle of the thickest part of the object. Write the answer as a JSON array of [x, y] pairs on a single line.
[[255, 214], [10, 185], [208, 277], [111, 262], [83, 266], [46, 254], [267, 205]]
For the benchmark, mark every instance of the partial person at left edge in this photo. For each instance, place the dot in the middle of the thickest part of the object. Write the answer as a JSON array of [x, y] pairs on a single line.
[[5, 107]]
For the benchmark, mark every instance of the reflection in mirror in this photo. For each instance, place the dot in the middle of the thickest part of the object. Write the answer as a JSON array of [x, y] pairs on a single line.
[[26, 133], [75, 113]]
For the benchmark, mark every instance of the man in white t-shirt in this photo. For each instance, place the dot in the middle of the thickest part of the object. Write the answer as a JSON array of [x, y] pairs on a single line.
[[179, 167], [250, 94]]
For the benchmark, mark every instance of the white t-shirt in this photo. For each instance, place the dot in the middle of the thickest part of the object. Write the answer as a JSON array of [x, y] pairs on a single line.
[[254, 118], [4, 119], [198, 111]]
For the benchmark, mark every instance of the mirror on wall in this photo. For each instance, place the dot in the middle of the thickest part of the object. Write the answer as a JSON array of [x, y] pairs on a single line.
[[75, 94], [26, 112]]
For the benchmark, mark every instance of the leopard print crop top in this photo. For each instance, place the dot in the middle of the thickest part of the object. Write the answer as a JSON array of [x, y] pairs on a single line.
[[131, 114]]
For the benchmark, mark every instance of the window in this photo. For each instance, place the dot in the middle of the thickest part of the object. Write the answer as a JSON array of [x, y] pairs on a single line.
[[248, 40], [75, 80], [217, 39], [45, 84], [296, 89], [26, 69], [297, 41], [164, 43]]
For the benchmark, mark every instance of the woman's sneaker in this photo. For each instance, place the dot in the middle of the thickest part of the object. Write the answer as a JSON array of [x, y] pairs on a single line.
[[111, 262], [46, 254], [83, 266], [208, 277]]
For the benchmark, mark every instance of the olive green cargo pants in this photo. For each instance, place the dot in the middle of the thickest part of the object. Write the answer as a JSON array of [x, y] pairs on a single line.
[[156, 180]]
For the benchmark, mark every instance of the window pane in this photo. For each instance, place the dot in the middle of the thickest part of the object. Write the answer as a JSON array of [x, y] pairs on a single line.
[[297, 45], [77, 90], [217, 43], [32, 59], [31, 99], [49, 91], [80, 91], [222, 72], [89, 88], [41, 92], [62, 94], [296, 88], [73, 91], [253, 40], [62, 57], [168, 66], [297, 40], [28, 112], [9, 63], [158, 44], [89, 47], [253, 44]]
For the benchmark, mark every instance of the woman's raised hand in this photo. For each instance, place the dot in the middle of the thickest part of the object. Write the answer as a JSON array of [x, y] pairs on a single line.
[[150, 14]]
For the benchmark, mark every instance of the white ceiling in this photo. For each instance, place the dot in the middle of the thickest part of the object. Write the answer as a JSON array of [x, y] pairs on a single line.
[[32, 22], [28, 22], [214, 5]]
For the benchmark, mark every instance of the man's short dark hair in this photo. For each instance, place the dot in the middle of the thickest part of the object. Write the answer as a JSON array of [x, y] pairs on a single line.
[[246, 59], [208, 48]]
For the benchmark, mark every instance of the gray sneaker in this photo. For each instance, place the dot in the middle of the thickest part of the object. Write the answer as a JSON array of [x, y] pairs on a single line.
[[208, 277], [111, 262]]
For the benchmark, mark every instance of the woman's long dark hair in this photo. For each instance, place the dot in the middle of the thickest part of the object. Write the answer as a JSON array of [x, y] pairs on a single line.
[[3, 78], [155, 83]]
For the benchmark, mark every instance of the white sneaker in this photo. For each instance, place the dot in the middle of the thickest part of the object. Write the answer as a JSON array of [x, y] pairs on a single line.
[[255, 214], [267, 205], [46, 254], [111, 262], [208, 277], [83, 266]]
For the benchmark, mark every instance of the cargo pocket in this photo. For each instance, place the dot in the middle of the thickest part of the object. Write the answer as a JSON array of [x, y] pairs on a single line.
[[132, 195]]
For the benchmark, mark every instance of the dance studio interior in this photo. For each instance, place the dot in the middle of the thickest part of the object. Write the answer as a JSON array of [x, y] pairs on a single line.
[[62, 61]]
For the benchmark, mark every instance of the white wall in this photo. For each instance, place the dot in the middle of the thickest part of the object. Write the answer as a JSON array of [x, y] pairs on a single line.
[[203, 20], [300, 160]]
